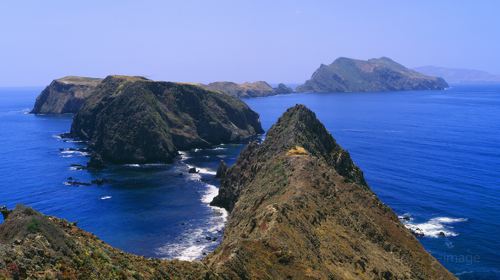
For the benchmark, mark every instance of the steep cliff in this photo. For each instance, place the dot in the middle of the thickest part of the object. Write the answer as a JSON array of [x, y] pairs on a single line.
[[377, 74], [136, 120], [65, 95]]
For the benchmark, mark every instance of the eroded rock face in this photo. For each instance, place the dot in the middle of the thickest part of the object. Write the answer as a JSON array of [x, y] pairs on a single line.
[[136, 120], [65, 95], [377, 74], [300, 209], [253, 89]]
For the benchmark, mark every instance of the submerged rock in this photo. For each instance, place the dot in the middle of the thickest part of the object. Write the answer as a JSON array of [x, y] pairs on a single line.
[[377, 74], [193, 170], [136, 120]]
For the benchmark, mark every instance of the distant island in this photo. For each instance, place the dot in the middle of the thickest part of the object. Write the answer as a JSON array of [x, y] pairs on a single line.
[[460, 76], [373, 75], [255, 89], [299, 209], [65, 95], [136, 120]]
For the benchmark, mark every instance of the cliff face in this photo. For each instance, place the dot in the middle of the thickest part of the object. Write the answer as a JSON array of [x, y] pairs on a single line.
[[300, 209], [380, 74], [65, 95], [255, 89], [136, 120]]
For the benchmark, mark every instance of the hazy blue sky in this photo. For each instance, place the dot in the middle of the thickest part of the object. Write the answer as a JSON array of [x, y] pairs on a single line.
[[202, 41]]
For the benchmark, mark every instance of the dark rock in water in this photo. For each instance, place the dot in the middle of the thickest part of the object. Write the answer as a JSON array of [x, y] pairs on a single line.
[[377, 74], [441, 234], [406, 217], [193, 170], [5, 212], [72, 182], [96, 162], [78, 166], [65, 95], [221, 170], [136, 120], [99, 181], [245, 90]]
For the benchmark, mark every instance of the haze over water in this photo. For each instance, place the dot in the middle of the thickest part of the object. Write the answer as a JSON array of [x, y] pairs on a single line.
[[433, 156]]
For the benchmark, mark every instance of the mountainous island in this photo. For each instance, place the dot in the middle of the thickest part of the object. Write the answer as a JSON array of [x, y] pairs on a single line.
[[299, 209], [373, 75], [65, 95], [135, 120], [255, 89], [460, 76]]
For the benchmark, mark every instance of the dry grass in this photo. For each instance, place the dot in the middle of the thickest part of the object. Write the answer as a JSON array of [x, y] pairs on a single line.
[[297, 151]]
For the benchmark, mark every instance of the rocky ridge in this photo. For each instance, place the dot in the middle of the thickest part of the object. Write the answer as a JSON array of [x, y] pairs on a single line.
[[373, 75]]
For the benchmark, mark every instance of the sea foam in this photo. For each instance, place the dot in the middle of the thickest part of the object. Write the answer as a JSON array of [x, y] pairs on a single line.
[[434, 227]]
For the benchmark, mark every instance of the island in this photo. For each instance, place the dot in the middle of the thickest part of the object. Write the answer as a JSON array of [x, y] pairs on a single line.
[[129, 119], [299, 209], [65, 95], [460, 75], [245, 90], [373, 75]]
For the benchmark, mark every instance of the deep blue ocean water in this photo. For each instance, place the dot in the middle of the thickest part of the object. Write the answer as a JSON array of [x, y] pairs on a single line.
[[431, 155]]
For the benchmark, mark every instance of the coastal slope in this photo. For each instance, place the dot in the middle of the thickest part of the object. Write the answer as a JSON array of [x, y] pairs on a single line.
[[64, 95], [136, 120], [377, 74], [245, 90]]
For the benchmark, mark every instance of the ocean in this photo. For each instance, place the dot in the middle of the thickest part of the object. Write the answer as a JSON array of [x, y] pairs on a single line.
[[432, 156]]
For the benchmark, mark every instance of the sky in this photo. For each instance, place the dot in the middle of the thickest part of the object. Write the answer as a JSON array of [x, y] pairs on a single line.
[[233, 40]]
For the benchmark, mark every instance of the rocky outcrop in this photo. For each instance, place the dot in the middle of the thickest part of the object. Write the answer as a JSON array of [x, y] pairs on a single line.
[[255, 89], [65, 95], [136, 120], [300, 209], [378, 74], [221, 170]]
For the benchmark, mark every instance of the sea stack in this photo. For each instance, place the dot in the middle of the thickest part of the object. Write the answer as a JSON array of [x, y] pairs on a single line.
[[373, 75], [136, 120], [64, 95]]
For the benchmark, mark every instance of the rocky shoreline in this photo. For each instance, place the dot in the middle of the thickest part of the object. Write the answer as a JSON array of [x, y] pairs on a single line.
[[299, 209]]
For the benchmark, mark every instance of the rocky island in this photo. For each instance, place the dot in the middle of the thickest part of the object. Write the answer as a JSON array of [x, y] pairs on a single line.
[[64, 95], [136, 120], [299, 209], [373, 75], [255, 89]]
